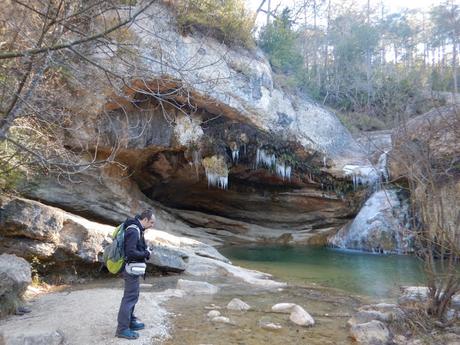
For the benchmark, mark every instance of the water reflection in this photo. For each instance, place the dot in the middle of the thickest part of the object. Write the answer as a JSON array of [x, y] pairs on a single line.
[[355, 272]]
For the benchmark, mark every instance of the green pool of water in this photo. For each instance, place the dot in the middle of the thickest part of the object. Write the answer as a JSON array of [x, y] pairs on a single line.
[[355, 272]]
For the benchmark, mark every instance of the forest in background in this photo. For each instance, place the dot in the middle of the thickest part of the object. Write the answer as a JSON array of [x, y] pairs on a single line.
[[375, 67]]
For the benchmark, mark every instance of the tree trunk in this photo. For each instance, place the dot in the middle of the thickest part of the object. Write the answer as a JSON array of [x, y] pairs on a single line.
[[454, 66]]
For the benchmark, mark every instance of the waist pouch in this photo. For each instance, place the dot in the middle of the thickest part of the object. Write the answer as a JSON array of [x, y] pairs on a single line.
[[136, 268]]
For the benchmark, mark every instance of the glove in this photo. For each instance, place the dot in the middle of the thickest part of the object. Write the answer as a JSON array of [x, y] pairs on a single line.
[[147, 253]]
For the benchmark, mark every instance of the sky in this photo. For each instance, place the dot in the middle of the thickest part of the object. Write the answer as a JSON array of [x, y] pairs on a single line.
[[389, 5], [392, 4]]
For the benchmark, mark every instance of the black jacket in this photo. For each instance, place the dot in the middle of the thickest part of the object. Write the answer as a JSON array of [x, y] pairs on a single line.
[[135, 247]]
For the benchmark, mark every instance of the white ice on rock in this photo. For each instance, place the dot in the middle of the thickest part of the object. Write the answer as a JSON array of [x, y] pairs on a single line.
[[380, 226], [216, 180], [269, 161]]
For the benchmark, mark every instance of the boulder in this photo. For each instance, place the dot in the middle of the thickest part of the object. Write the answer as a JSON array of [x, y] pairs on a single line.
[[196, 287], [413, 294], [168, 259], [370, 333], [15, 276], [31, 229], [300, 317], [237, 304], [384, 312]]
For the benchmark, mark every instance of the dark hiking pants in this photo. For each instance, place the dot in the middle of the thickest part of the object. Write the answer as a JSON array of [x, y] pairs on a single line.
[[128, 302]]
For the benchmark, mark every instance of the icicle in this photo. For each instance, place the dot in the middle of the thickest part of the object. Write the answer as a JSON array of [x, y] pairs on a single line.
[[196, 157], [216, 171], [324, 162], [215, 180], [283, 171], [265, 159], [235, 155], [362, 175], [382, 166]]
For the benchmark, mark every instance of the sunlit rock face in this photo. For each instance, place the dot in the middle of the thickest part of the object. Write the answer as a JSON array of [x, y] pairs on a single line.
[[381, 226], [426, 153], [205, 129]]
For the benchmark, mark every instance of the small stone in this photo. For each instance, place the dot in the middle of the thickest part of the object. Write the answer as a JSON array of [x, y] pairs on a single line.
[[285, 308], [270, 326], [213, 313], [221, 319], [212, 306], [237, 304], [300, 317]]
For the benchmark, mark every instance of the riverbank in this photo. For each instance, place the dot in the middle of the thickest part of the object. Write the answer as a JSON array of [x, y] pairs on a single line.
[[86, 314]]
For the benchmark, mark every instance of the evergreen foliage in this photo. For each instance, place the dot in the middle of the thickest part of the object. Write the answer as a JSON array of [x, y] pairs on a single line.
[[226, 20], [379, 66], [278, 39]]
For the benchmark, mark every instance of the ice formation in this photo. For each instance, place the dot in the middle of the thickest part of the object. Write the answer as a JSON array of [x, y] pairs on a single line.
[[269, 161]]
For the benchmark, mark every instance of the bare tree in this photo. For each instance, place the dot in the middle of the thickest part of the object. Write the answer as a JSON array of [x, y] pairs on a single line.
[[426, 152], [42, 45]]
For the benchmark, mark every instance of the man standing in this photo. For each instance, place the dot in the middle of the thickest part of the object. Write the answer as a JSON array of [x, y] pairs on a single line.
[[135, 251]]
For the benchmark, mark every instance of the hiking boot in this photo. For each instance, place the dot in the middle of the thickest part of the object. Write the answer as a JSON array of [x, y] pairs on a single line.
[[127, 334], [136, 325]]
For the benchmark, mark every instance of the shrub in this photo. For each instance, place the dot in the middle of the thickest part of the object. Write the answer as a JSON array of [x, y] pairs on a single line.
[[277, 39], [226, 20]]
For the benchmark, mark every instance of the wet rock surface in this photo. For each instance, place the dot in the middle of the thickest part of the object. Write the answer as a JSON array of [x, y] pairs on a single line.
[[381, 226]]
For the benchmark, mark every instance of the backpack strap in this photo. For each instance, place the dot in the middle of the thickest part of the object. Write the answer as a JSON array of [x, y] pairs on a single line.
[[138, 232], [135, 227]]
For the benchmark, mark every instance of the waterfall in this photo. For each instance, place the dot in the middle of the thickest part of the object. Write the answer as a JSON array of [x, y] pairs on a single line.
[[380, 226]]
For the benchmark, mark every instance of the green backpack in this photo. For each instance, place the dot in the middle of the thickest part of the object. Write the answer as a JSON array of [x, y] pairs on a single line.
[[114, 253]]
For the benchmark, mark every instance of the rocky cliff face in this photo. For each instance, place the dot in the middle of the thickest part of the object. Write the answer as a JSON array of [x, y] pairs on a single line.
[[426, 155], [202, 132]]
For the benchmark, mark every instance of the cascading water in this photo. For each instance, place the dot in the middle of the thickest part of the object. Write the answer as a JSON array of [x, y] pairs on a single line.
[[380, 226]]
